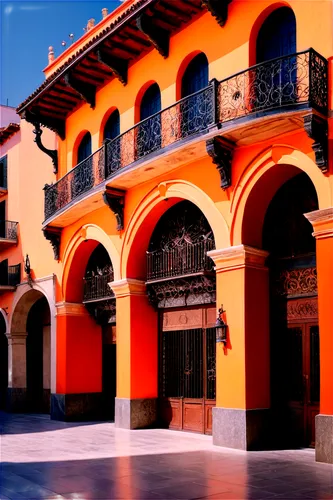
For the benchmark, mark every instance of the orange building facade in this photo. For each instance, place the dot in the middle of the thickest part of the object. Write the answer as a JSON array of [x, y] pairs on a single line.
[[190, 215]]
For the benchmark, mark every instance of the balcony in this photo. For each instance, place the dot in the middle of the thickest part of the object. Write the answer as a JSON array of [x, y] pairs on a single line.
[[188, 260], [10, 277], [8, 233], [261, 102], [96, 288]]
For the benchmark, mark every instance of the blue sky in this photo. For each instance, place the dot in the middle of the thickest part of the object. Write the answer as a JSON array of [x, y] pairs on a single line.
[[28, 28]]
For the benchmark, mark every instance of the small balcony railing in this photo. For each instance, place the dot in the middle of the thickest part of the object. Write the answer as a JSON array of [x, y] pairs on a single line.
[[277, 85], [97, 288], [180, 261], [12, 277], [8, 230]]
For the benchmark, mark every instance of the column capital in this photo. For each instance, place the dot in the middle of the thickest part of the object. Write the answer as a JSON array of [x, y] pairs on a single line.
[[16, 338], [322, 222], [237, 257], [129, 286], [70, 309]]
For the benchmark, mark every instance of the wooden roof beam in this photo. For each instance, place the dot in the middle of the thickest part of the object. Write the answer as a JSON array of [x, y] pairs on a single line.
[[86, 90], [159, 37], [118, 66], [218, 9]]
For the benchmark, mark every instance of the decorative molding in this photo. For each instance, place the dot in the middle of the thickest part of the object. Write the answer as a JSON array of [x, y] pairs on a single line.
[[55, 124], [53, 234], [52, 153], [159, 37], [301, 309], [317, 130], [218, 9], [118, 66], [85, 90], [115, 200], [70, 309], [185, 291], [296, 282], [221, 152], [237, 257], [320, 219], [324, 215], [126, 287]]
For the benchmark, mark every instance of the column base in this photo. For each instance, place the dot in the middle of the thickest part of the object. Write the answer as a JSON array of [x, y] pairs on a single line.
[[16, 400], [135, 413], [76, 407], [324, 438], [241, 429]]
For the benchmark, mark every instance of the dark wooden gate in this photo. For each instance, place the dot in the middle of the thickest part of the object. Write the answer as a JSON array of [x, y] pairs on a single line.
[[303, 370], [187, 368]]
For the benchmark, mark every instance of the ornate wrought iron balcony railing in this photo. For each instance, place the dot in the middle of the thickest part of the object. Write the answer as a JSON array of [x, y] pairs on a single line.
[[8, 230], [97, 288], [273, 86], [277, 84], [180, 261]]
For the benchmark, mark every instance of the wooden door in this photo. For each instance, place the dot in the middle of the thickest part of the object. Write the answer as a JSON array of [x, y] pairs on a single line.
[[187, 369], [303, 376]]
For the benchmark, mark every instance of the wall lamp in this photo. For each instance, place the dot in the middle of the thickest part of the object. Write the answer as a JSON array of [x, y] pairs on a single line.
[[221, 327]]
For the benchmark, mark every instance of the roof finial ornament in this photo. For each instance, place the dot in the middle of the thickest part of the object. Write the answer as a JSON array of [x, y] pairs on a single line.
[[104, 12], [90, 24], [51, 55]]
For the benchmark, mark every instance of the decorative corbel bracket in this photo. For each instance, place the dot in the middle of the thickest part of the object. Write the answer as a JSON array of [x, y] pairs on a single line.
[[85, 90], [159, 37], [218, 9], [115, 200], [317, 130], [53, 235], [118, 66], [221, 152], [57, 126], [52, 153]]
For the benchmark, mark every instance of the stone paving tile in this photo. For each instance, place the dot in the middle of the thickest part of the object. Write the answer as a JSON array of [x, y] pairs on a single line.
[[44, 459]]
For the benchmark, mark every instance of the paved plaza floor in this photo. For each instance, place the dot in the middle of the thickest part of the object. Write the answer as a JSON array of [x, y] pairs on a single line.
[[45, 459]]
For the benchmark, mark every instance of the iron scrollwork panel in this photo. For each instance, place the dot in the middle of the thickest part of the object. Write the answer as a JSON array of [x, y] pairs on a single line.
[[270, 85]]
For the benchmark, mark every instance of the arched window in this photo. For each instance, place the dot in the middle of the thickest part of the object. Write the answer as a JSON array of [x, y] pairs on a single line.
[[84, 149], [277, 35], [112, 126], [195, 77], [149, 132], [151, 102]]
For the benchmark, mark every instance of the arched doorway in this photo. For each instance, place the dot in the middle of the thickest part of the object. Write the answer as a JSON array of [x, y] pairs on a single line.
[[30, 333], [3, 362], [101, 304], [112, 126], [181, 285], [84, 149], [195, 78], [149, 132], [287, 235], [277, 39], [38, 349]]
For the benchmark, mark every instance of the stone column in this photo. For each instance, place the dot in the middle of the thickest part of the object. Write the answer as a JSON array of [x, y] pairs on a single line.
[[17, 372], [137, 354], [322, 222], [78, 393], [241, 415]]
